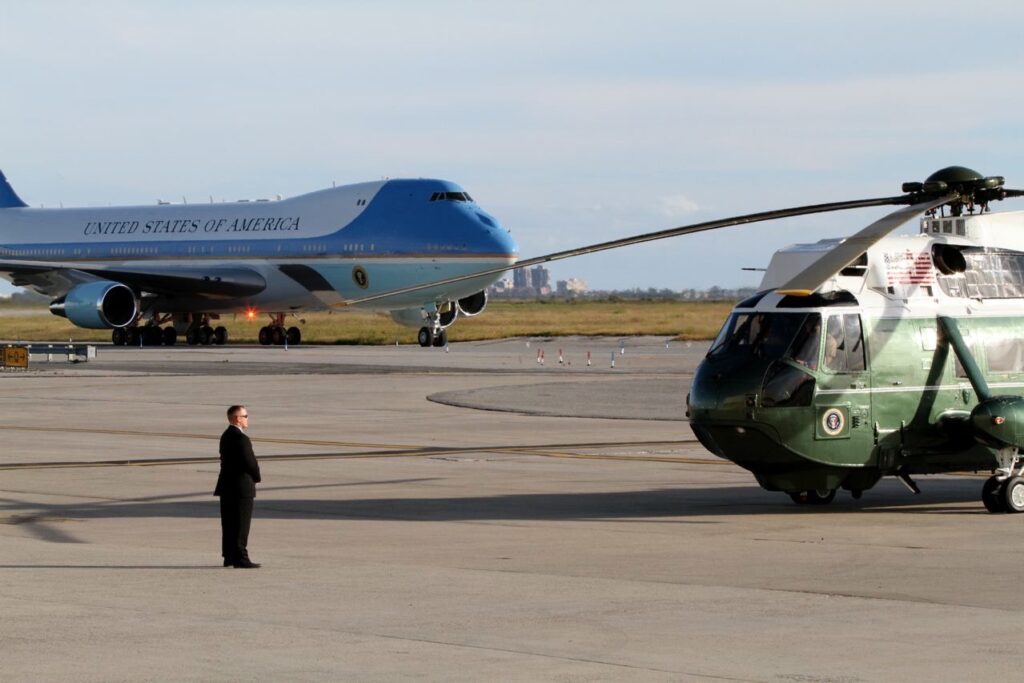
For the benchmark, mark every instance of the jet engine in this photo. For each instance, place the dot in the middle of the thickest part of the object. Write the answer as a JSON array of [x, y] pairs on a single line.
[[473, 304], [98, 305]]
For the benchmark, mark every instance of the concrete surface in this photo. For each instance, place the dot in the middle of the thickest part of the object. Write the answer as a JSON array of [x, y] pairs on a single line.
[[405, 538]]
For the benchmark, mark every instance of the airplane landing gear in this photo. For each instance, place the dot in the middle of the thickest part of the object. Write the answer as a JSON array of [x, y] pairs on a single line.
[[195, 326], [426, 338], [275, 333], [433, 333], [200, 332]]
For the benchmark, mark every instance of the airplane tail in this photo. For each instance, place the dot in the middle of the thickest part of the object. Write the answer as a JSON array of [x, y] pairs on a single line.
[[9, 199]]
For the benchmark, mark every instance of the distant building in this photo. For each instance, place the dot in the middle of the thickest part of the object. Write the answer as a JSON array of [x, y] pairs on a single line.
[[571, 287], [521, 279], [540, 278]]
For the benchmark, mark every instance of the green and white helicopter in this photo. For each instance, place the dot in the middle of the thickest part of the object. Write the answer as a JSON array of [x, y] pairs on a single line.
[[874, 355]]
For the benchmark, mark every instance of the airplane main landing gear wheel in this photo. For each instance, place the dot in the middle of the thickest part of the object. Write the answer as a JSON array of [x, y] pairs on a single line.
[[170, 336], [118, 336], [992, 495], [1013, 494], [220, 335], [276, 334], [425, 338], [813, 497]]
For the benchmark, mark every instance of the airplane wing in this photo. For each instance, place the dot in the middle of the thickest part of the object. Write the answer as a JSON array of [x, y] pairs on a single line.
[[214, 282]]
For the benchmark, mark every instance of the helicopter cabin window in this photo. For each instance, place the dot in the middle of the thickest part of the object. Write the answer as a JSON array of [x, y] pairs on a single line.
[[989, 275], [844, 344], [1004, 353]]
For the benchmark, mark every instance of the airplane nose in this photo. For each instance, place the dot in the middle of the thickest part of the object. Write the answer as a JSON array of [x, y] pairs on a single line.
[[499, 239]]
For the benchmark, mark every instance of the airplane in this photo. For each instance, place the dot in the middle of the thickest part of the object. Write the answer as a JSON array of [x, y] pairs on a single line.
[[873, 355], [153, 273]]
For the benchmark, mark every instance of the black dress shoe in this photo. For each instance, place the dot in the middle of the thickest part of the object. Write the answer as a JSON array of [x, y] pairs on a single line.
[[245, 564], [227, 562]]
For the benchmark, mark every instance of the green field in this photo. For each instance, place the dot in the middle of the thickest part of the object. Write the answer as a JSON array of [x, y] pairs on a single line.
[[684, 320]]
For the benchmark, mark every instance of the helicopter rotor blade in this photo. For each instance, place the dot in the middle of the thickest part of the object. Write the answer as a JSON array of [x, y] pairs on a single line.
[[951, 331], [819, 272], [638, 239]]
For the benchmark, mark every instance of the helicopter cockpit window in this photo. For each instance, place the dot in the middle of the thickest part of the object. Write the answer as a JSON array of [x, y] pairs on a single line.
[[808, 342], [844, 344], [762, 335], [786, 386]]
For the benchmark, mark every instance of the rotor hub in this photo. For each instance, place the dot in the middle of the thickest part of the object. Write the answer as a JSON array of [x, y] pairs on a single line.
[[967, 187]]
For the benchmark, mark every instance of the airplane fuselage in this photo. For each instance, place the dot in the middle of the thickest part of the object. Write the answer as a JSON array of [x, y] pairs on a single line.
[[310, 251]]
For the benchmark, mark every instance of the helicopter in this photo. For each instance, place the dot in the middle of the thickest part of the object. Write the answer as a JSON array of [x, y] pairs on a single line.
[[873, 355], [882, 356]]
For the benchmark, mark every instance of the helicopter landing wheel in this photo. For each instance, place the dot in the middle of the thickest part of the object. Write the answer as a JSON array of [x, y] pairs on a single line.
[[992, 495], [1013, 494], [813, 497]]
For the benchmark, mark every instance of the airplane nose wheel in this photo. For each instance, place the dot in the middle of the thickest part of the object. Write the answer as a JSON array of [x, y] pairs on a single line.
[[429, 337], [425, 338]]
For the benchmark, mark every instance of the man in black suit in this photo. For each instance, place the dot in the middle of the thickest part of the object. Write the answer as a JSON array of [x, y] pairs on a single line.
[[236, 486]]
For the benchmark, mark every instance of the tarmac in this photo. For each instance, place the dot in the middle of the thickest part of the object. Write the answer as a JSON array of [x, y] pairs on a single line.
[[462, 515]]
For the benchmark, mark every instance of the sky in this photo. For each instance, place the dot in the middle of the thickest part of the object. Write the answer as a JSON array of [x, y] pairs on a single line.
[[571, 122]]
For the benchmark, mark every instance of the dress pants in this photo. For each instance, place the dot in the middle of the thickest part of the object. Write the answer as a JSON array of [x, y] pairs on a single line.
[[235, 519]]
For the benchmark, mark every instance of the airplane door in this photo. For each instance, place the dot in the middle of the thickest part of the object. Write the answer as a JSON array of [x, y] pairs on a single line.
[[842, 404]]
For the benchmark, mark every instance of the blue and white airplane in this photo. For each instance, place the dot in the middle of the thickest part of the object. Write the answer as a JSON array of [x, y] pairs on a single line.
[[152, 273]]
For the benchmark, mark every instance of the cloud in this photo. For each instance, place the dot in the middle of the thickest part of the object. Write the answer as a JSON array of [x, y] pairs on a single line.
[[677, 206]]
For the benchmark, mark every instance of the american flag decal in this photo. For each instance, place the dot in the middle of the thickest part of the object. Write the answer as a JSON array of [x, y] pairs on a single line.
[[908, 268]]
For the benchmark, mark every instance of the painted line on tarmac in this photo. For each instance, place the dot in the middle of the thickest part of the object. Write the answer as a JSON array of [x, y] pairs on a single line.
[[180, 435], [404, 452]]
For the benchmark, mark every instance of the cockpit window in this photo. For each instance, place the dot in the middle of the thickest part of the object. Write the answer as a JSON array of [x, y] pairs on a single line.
[[762, 335], [451, 197], [844, 344], [808, 342]]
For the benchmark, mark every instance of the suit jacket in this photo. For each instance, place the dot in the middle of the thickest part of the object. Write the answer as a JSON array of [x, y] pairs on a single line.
[[239, 471]]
